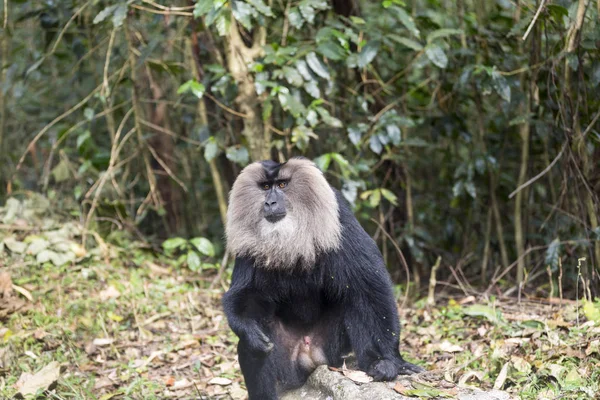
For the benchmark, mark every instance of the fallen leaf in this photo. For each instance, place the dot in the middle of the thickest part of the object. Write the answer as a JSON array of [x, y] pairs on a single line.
[[103, 382], [15, 246], [449, 347], [6, 286], [182, 384], [220, 381], [44, 379], [169, 381], [357, 376], [102, 341], [23, 291], [400, 388], [501, 377], [109, 293], [470, 374]]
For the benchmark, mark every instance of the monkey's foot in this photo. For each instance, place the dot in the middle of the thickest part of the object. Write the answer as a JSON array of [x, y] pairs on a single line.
[[383, 370], [406, 368]]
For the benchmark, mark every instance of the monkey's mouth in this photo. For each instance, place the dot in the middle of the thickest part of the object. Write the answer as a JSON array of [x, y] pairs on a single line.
[[275, 217]]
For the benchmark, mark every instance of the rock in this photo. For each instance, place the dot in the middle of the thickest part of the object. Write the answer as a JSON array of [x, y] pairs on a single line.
[[325, 384]]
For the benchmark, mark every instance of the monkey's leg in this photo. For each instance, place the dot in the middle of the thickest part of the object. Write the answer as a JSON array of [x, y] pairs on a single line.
[[259, 372], [333, 339]]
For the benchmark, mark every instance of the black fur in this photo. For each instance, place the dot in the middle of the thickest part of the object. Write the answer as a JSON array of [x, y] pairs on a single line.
[[346, 300], [271, 169]]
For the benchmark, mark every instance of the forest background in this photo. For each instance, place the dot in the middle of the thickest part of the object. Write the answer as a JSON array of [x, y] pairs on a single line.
[[464, 133]]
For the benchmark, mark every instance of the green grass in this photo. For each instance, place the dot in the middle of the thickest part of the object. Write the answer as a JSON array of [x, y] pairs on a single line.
[[168, 330]]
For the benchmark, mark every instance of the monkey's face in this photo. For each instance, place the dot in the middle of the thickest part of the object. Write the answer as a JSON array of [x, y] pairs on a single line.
[[274, 207], [280, 213]]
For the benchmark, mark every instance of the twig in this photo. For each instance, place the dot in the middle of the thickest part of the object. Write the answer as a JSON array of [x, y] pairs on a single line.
[[165, 12], [538, 176], [54, 122], [432, 282], [167, 8], [224, 107], [166, 168], [535, 17], [221, 271], [169, 132], [107, 173], [402, 259]]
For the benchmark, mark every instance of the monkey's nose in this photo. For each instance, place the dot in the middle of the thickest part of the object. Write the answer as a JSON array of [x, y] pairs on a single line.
[[270, 203]]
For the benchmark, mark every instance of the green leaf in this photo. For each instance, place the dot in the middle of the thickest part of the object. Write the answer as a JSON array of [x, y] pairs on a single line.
[[238, 155], [470, 188], [331, 50], [375, 198], [328, 119], [394, 133], [355, 132], [340, 160], [441, 33], [357, 20], [174, 243], [291, 104], [312, 88], [193, 86], [501, 86], [322, 162], [391, 197], [222, 23], [292, 76], [119, 15], [480, 310], [202, 7], [301, 136], [315, 64], [105, 13], [406, 20], [308, 13], [242, 12], [295, 18], [411, 44], [81, 139], [261, 7], [375, 145], [368, 53], [193, 261], [89, 113], [436, 55], [592, 311], [211, 150], [267, 109], [553, 254], [204, 246], [557, 12], [61, 172], [303, 70]]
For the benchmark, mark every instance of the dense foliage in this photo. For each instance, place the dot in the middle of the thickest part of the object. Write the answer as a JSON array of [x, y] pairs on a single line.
[[465, 130]]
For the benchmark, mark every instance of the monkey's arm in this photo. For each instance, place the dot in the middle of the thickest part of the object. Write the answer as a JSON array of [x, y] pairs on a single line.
[[245, 308], [364, 287]]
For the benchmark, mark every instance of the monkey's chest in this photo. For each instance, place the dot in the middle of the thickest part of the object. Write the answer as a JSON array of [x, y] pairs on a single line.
[[299, 298]]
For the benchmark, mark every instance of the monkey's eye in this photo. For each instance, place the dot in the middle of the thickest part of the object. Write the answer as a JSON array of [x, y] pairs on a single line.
[[266, 186], [282, 184]]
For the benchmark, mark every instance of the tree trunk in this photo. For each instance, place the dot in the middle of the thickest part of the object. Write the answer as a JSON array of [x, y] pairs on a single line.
[[238, 58]]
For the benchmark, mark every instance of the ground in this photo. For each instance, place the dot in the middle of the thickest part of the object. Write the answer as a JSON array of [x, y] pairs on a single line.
[[128, 321]]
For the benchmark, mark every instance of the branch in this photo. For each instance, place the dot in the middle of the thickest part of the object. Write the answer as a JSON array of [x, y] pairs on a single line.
[[535, 17]]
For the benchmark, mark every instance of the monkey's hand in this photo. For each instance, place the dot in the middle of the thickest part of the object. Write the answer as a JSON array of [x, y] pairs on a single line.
[[258, 341]]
